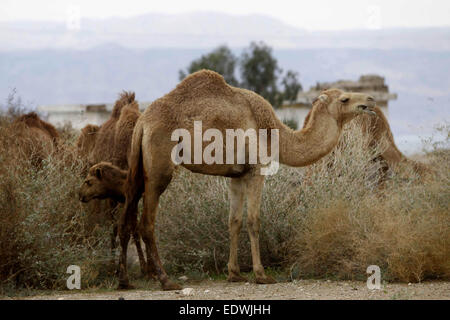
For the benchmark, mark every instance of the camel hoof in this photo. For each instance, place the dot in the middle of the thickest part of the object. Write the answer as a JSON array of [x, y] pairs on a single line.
[[144, 272], [169, 285], [125, 286], [152, 276], [236, 278], [265, 280]]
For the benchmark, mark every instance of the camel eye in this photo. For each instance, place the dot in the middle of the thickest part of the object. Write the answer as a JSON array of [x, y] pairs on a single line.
[[344, 100]]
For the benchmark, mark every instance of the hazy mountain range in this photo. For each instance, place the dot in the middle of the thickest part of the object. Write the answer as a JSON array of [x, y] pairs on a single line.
[[204, 30], [49, 64]]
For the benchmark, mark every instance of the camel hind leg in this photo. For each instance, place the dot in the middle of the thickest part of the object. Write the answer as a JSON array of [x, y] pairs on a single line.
[[237, 197], [157, 178]]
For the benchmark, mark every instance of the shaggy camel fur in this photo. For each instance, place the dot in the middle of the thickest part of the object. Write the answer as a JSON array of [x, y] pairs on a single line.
[[111, 142], [38, 139], [86, 141], [380, 135], [206, 96], [105, 148]]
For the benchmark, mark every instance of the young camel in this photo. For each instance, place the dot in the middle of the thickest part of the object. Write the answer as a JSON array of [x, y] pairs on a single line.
[[111, 142], [206, 96], [104, 181]]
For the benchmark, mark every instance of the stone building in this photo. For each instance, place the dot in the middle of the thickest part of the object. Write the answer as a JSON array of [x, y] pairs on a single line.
[[370, 84]]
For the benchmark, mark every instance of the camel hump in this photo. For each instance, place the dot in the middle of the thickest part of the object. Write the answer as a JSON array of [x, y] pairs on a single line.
[[90, 129], [203, 82], [32, 120], [125, 98]]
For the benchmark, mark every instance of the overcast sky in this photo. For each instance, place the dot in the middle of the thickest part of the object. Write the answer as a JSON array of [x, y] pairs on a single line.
[[310, 14]]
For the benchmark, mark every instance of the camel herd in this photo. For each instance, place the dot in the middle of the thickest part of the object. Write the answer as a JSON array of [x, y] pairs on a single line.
[[129, 156]]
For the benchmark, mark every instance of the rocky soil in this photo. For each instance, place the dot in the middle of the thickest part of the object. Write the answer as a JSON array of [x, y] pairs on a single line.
[[302, 289]]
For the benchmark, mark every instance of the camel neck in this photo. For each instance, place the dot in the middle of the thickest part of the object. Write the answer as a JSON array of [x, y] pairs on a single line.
[[314, 141], [117, 191]]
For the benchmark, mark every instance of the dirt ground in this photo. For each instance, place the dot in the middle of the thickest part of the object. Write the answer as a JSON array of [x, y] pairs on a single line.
[[302, 290]]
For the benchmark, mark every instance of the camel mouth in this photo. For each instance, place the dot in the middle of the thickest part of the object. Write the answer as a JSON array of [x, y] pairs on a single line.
[[366, 109], [83, 199]]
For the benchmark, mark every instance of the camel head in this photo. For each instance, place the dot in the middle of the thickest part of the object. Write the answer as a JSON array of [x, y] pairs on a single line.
[[103, 181], [345, 106]]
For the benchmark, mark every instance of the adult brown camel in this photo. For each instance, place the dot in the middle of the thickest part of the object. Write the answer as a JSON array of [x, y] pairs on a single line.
[[380, 136], [380, 133], [205, 96], [36, 138], [111, 142]]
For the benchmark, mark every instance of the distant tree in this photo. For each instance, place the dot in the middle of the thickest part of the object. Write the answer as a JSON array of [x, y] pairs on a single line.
[[259, 72], [220, 60], [258, 69], [291, 86]]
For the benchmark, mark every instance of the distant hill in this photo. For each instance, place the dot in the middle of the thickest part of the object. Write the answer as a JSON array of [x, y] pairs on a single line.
[[49, 64], [206, 30]]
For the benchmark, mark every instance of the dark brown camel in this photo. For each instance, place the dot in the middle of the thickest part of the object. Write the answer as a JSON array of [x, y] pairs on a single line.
[[36, 138], [110, 142]]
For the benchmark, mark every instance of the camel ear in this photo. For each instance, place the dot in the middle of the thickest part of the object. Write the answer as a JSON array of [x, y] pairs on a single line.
[[98, 173], [323, 97]]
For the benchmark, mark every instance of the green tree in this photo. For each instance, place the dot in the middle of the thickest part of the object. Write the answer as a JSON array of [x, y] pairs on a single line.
[[260, 71], [291, 86], [220, 60]]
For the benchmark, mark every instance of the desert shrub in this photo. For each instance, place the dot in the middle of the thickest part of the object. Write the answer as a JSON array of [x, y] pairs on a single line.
[[44, 228], [352, 220]]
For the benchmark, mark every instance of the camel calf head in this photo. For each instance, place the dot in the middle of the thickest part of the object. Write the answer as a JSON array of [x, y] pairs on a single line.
[[103, 181], [347, 105]]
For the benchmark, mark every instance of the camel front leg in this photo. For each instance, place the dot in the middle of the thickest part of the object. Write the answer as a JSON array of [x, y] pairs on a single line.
[[142, 262], [114, 232], [255, 186], [124, 236], [237, 197]]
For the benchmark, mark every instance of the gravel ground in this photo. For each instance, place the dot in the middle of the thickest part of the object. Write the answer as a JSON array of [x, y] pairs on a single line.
[[302, 290]]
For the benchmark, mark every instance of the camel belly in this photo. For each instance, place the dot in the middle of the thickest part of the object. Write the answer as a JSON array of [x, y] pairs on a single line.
[[225, 170]]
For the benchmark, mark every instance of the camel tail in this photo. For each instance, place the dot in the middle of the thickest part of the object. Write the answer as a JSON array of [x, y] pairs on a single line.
[[135, 176]]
